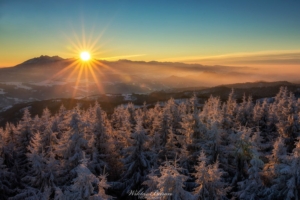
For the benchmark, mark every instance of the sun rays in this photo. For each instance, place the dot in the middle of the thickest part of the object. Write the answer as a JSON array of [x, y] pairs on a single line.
[[84, 69], [85, 56], [87, 70]]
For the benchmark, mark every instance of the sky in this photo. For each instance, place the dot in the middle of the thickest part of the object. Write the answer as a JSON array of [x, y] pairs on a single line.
[[225, 32]]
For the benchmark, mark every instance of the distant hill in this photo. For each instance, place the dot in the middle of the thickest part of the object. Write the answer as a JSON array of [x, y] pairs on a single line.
[[108, 102], [259, 84], [40, 60]]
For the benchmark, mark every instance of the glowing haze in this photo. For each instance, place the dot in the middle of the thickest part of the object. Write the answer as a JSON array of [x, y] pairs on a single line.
[[264, 34]]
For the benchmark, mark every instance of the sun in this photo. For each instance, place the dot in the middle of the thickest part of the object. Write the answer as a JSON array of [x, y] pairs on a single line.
[[85, 56]]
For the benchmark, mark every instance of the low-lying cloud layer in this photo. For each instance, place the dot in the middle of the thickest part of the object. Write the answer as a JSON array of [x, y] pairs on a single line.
[[243, 59], [256, 67]]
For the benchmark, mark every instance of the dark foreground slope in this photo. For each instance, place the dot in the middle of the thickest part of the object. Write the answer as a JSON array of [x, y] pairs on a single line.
[[257, 90]]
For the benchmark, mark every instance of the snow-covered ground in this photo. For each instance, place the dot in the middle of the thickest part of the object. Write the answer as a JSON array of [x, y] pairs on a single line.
[[17, 100], [6, 108], [49, 83], [80, 88], [128, 97], [2, 91], [28, 107], [18, 85], [179, 101]]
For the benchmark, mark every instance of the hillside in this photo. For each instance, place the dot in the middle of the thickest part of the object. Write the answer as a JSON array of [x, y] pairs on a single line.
[[212, 150], [12, 112]]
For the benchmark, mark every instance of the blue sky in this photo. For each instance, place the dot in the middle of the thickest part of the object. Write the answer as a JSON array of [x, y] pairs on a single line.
[[185, 31]]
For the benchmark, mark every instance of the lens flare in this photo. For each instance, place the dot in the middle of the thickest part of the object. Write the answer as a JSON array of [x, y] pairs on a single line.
[[85, 56]]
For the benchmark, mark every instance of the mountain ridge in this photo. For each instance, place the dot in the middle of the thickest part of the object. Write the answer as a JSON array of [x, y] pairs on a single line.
[[40, 60]]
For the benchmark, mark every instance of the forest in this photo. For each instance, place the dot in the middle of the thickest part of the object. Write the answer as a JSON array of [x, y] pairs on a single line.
[[219, 150]]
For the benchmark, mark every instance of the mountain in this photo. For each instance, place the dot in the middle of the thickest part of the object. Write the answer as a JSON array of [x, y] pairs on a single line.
[[40, 60], [48, 77]]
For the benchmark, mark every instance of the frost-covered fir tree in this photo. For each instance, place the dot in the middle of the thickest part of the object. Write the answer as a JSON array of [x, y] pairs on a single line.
[[151, 181], [40, 177], [284, 113], [260, 116], [6, 177], [155, 129], [70, 148], [121, 122], [245, 111], [82, 186], [9, 142], [212, 112], [98, 139], [165, 123], [293, 184], [209, 180], [277, 171], [188, 130], [171, 148], [102, 186], [285, 180], [24, 134], [229, 110], [212, 143], [136, 160], [170, 182], [240, 150], [252, 187]]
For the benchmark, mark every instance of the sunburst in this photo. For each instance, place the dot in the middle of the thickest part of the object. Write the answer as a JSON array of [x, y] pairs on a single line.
[[85, 66], [85, 56]]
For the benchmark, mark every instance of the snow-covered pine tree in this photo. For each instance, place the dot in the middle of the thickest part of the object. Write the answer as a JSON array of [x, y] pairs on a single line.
[[212, 144], [244, 115], [39, 177], [9, 139], [276, 171], [209, 180], [23, 137], [240, 151], [121, 120], [229, 110], [252, 187], [82, 187], [45, 120], [102, 186], [170, 182], [285, 116], [171, 150], [61, 121], [6, 177], [286, 175], [70, 149], [151, 181], [188, 130], [98, 140], [260, 116], [49, 140], [293, 184], [155, 129], [212, 112], [165, 123], [136, 160]]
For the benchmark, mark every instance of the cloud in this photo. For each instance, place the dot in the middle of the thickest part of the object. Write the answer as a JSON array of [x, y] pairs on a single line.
[[122, 57], [248, 59]]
